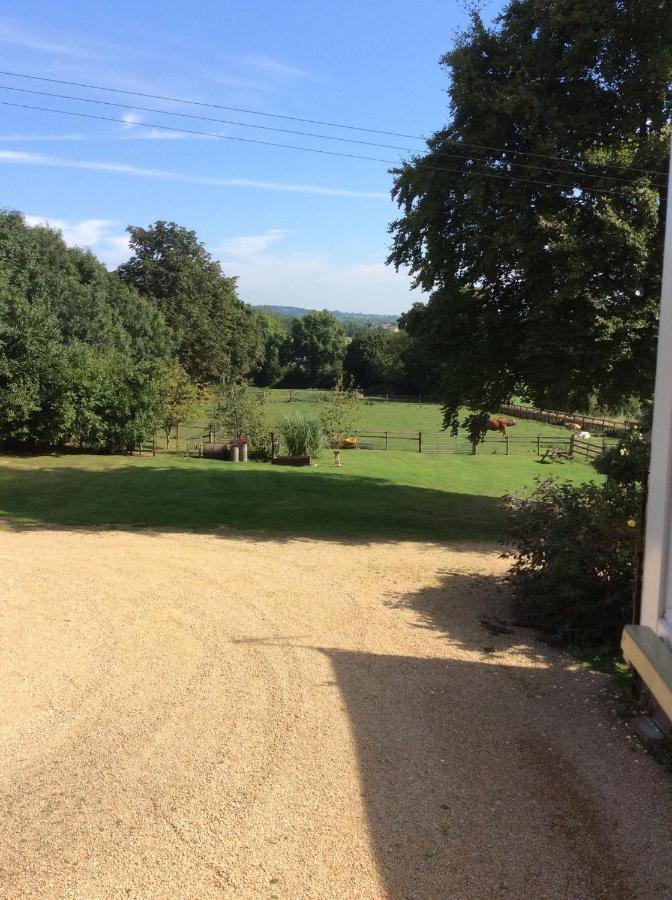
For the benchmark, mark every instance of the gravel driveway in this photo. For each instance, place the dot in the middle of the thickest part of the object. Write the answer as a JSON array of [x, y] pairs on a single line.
[[189, 716]]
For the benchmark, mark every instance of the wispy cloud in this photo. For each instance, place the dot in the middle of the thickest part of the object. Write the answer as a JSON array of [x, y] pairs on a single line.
[[249, 244], [271, 66], [126, 134], [319, 282], [314, 281], [15, 34], [28, 138], [131, 118], [37, 159]]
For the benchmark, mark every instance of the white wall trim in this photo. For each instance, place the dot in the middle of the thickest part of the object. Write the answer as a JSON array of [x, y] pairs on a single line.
[[656, 585]]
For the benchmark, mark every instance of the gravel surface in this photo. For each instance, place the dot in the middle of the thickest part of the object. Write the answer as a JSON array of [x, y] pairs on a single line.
[[189, 716]]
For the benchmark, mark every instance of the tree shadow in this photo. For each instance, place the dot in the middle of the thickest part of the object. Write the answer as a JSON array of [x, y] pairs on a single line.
[[255, 500]]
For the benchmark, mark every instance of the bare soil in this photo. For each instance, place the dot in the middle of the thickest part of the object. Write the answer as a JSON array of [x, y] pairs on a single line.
[[189, 716]]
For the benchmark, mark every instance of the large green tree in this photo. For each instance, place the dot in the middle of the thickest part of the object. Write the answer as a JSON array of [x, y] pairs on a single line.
[[271, 367], [535, 217], [318, 347], [215, 332], [80, 353]]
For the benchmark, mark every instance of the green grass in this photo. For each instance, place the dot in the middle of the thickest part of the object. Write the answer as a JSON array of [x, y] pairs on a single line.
[[376, 495], [381, 416]]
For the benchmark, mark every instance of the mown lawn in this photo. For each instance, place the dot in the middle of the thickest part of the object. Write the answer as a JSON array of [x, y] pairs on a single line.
[[376, 495]]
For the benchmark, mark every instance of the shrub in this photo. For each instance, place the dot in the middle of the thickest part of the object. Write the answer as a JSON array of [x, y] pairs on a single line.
[[301, 436], [341, 417], [627, 462], [575, 551], [238, 410]]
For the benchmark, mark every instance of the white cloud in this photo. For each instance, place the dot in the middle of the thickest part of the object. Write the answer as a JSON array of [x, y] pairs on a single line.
[[99, 235], [131, 118], [319, 282], [249, 244], [16, 35], [271, 66], [37, 159], [295, 279]]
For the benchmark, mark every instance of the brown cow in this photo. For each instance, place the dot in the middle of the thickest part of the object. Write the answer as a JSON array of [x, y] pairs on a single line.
[[573, 426], [499, 423]]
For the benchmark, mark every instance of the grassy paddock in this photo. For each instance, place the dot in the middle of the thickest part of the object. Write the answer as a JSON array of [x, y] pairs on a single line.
[[380, 416], [377, 496]]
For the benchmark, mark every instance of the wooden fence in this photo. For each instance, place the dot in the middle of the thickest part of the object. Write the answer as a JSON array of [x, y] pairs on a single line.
[[433, 442], [554, 417], [440, 442]]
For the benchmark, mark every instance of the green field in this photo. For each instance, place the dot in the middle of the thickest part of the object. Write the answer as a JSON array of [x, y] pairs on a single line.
[[375, 496], [379, 416]]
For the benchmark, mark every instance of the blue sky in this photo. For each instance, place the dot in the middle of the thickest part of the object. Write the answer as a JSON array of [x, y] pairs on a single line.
[[296, 228]]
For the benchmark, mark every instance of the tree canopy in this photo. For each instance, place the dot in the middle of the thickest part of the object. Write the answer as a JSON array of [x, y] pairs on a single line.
[[318, 347], [216, 334], [535, 218], [80, 352]]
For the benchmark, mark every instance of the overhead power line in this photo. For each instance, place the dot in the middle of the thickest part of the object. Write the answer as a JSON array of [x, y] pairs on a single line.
[[321, 151], [321, 122], [165, 112]]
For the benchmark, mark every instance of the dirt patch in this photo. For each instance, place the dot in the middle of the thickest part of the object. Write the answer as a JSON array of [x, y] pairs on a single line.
[[203, 716]]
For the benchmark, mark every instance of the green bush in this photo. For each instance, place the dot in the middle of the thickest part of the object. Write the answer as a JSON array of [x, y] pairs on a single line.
[[575, 550], [239, 411], [301, 435], [627, 462]]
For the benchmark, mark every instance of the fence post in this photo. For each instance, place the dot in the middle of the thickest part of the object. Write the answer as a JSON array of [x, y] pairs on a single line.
[[506, 438], [538, 445], [387, 436], [272, 445], [572, 438], [419, 442], [177, 436]]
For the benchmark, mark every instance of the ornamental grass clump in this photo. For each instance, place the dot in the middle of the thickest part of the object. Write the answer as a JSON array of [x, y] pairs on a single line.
[[301, 435]]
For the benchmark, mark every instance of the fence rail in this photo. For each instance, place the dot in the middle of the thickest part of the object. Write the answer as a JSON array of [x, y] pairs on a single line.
[[555, 417], [196, 435]]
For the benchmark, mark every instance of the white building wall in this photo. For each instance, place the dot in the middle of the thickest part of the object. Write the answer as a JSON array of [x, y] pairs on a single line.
[[657, 581]]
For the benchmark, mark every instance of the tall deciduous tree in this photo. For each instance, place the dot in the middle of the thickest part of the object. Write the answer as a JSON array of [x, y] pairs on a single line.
[[318, 348], [80, 352], [216, 333], [535, 218]]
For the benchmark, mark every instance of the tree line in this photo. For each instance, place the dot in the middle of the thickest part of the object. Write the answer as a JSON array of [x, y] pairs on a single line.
[[102, 359]]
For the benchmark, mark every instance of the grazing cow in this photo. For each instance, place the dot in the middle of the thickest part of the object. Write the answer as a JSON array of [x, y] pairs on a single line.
[[499, 423], [573, 426]]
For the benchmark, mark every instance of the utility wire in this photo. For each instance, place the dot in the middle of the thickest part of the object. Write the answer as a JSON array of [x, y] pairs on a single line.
[[256, 112], [328, 137], [393, 162]]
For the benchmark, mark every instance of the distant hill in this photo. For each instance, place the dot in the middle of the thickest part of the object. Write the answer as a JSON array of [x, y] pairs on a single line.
[[295, 312]]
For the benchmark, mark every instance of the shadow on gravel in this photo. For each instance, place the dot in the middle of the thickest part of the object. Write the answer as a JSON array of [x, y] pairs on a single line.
[[467, 792], [259, 501]]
